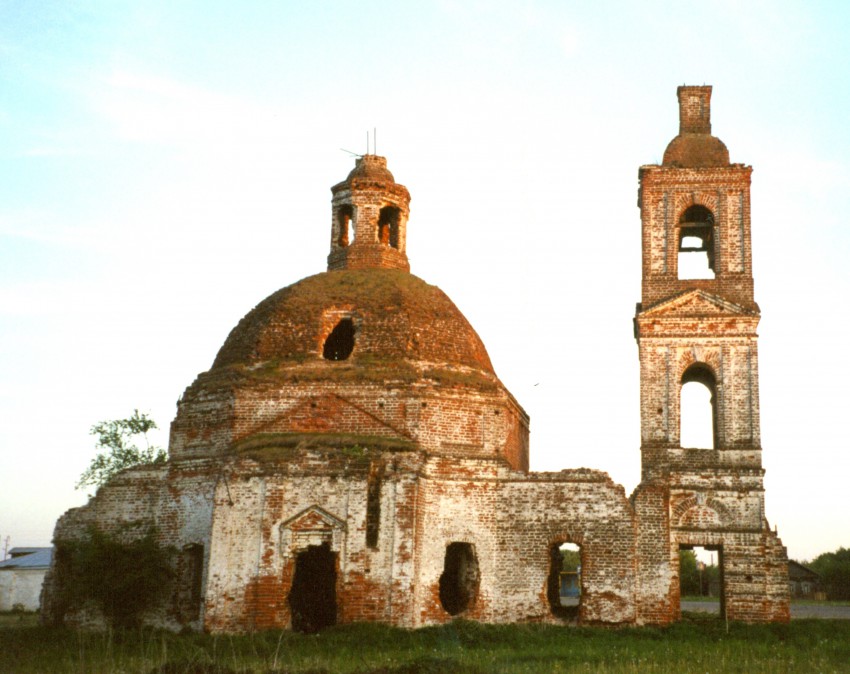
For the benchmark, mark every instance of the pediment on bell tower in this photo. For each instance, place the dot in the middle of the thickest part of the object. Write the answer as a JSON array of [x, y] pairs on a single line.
[[696, 304]]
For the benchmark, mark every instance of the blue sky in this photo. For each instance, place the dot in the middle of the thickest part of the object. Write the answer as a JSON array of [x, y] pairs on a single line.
[[165, 166]]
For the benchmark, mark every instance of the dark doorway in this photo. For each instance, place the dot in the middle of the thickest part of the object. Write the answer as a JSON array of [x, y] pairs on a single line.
[[460, 578], [312, 598]]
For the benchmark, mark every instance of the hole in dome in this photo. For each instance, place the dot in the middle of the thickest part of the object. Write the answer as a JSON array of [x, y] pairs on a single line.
[[340, 343]]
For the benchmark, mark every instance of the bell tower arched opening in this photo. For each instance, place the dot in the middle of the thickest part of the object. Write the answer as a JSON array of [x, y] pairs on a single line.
[[696, 244], [698, 408]]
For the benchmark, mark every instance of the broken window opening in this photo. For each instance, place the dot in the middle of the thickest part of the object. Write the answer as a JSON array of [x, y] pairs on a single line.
[[388, 226], [701, 578], [312, 598], [345, 218], [696, 244], [698, 408], [564, 583], [460, 579], [340, 343], [373, 504]]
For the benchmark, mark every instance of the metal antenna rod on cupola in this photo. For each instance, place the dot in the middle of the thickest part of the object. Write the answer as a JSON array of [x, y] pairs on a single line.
[[374, 141]]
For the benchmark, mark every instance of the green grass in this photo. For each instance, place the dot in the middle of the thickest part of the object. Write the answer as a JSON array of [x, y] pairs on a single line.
[[695, 645]]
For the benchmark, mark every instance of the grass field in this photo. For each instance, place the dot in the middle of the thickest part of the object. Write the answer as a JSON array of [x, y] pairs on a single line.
[[697, 644]]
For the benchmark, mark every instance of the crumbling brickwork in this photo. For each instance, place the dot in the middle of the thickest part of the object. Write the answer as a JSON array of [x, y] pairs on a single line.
[[702, 329], [352, 456]]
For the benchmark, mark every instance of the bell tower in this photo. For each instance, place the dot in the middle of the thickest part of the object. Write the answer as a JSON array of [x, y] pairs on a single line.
[[369, 219], [697, 323], [697, 318]]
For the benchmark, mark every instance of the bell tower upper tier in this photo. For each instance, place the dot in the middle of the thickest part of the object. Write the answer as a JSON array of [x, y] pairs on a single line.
[[695, 213], [697, 320], [369, 219]]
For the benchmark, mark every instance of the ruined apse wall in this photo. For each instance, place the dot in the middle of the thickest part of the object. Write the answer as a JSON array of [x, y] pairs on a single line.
[[176, 501], [512, 520]]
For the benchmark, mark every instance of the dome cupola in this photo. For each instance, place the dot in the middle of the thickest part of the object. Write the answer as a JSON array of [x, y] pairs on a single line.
[[369, 219]]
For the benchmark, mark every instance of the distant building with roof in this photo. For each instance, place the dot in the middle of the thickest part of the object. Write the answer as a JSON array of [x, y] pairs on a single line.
[[803, 583], [21, 577]]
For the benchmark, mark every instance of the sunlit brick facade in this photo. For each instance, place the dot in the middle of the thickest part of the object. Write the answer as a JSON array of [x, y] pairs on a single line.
[[352, 456]]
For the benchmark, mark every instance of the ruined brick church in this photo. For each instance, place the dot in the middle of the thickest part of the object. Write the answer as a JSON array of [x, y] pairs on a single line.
[[351, 454]]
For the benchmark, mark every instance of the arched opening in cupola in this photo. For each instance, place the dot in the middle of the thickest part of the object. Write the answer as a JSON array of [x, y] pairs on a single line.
[[388, 222], [345, 222]]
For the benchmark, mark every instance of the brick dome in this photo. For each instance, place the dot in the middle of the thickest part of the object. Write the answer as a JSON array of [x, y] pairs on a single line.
[[373, 168], [364, 353], [395, 318], [696, 150]]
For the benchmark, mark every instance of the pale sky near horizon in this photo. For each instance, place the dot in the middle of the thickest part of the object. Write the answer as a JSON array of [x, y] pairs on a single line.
[[165, 166]]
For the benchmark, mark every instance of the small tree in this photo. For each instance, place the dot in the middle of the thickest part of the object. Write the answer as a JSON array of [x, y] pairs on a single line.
[[118, 440]]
